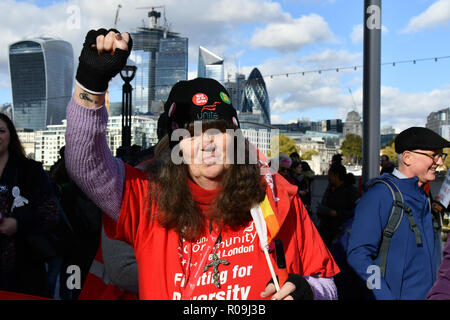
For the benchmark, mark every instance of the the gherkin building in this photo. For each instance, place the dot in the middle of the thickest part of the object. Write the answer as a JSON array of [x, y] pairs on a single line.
[[255, 97]]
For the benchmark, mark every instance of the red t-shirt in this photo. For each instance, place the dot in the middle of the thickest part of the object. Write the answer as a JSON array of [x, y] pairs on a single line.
[[166, 263]]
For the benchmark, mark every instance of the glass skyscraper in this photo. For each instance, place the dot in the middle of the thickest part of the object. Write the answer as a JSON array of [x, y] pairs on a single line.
[[147, 42], [210, 65], [256, 99], [41, 72], [236, 89], [171, 65]]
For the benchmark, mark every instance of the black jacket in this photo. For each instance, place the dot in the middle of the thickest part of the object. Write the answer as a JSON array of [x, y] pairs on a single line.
[[36, 218]]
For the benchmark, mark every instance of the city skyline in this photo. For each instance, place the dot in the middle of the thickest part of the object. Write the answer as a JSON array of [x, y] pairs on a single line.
[[281, 39]]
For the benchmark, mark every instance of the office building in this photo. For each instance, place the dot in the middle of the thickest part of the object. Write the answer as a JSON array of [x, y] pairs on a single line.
[[48, 142], [255, 98], [332, 125], [171, 65], [439, 122], [27, 138], [147, 43], [261, 138], [41, 72], [236, 90], [210, 65]]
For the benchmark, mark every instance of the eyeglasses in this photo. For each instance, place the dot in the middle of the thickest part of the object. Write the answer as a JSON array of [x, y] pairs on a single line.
[[435, 157]]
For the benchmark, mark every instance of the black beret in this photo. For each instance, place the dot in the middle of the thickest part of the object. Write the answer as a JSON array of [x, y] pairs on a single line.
[[419, 138], [196, 100]]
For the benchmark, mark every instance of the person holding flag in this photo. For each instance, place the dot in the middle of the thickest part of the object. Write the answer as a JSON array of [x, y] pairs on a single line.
[[203, 217]]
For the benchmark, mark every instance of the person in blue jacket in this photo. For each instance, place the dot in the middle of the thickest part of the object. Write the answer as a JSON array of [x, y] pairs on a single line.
[[412, 265]]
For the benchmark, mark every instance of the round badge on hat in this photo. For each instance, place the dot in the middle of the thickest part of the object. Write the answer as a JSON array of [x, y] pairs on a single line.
[[225, 97], [200, 99]]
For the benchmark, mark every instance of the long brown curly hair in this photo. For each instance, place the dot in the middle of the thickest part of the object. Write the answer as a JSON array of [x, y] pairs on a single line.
[[241, 188]]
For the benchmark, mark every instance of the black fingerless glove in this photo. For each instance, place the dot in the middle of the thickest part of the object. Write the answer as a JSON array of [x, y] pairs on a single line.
[[95, 71], [303, 290]]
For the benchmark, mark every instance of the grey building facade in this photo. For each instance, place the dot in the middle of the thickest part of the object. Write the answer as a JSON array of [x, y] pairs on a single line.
[[353, 124], [439, 122], [236, 90], [41, 73], [171, 65]]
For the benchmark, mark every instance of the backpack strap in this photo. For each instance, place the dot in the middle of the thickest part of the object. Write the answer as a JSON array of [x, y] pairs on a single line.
[[435, 216], [395, 218]]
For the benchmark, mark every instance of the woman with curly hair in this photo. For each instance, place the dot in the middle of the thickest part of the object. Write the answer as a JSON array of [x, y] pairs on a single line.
[[191, 215]]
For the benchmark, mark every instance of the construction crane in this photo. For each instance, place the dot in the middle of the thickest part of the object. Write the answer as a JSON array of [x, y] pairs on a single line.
[[153, 9], [117, 16]]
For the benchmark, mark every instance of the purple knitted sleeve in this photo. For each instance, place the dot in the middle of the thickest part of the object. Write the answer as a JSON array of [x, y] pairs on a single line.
[[441, 288], [324, 288], [89, 161]]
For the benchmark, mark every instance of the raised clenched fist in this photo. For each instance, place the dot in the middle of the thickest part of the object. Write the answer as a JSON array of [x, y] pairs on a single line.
[[104, 54]]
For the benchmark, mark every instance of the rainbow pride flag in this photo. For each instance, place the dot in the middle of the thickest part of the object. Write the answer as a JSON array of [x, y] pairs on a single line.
[[269, 217]]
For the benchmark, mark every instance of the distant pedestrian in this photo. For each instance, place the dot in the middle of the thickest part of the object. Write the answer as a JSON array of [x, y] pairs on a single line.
[[284, 167], [295, 156], [29, 212], [302, 179], [336, 159], [84, 217], [386, 164], [441, 288], [337, 204]]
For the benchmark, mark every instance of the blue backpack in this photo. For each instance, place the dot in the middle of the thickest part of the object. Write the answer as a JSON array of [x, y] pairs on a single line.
[[398, 211]]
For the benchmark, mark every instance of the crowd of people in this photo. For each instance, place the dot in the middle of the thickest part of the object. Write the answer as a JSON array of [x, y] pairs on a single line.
[[197, 216]]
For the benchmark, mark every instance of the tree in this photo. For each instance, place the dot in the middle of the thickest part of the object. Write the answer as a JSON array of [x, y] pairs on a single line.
[[286, 145], [351, 148], [307, 155]]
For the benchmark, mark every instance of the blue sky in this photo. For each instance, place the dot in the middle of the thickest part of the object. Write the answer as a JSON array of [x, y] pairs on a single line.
[[278, 37]]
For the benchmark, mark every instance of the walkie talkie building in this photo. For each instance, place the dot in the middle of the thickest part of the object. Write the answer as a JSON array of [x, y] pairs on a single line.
[[41, 72]]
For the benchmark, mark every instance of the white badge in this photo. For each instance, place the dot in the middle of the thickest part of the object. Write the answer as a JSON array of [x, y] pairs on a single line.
[[19, 201]]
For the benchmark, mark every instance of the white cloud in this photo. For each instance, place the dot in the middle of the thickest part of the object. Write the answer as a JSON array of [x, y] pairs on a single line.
[[191, 18], [274, 118], [406, 109], [296, 95], [299, 92], [436, 14], [292, 35], [332, 58], [238, 11], [357, 34]]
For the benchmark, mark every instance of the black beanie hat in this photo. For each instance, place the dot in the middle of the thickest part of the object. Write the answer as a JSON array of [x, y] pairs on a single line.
[[196, 100]]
